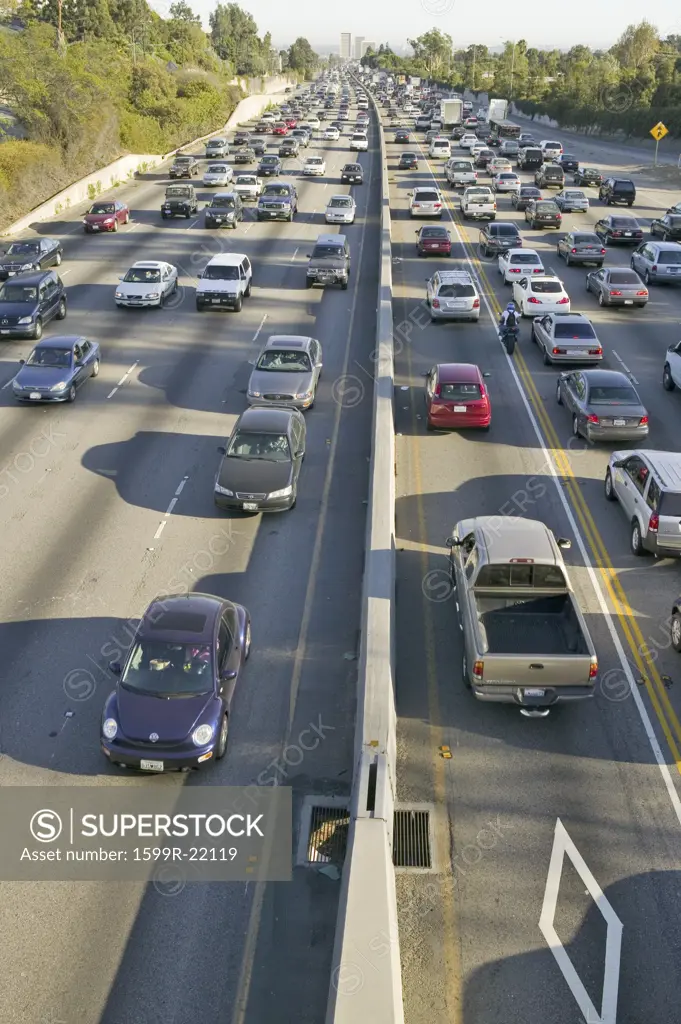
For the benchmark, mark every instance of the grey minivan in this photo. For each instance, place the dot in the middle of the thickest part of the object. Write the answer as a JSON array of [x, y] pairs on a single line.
[[549, 176], [658, 261], [647, 485]]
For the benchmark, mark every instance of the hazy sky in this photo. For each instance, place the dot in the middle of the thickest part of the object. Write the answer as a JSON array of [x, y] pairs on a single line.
[[580, 21]]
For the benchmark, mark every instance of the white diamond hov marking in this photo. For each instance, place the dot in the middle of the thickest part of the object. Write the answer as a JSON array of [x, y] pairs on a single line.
[[562, 845]]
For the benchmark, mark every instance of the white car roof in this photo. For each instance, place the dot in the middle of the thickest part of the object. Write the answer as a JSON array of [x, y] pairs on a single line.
[[516, 252], [226, 259], [149, 265], [288, 341]]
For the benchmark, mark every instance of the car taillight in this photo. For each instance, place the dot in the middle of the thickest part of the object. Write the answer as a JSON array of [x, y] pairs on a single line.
[[654, 523], [538, 270], [438, 390], [653, 268], [476, 304], [593, 668], [593, 419], [559, 351], [514, 270], [561, 302], [437, 205], [559, 216], [616, 234], [537, 302], [436, 303], [574, 250], [615, 293], [642, 293], [595, 351], [478, 668], [603, 251]]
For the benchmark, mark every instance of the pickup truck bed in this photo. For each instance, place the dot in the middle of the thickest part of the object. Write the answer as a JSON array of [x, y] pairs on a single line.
[[539, 626]]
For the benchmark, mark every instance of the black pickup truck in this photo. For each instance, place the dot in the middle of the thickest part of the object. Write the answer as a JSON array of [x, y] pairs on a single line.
[[180, 201]]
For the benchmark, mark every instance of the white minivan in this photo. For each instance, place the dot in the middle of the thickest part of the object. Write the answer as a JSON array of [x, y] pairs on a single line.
[[440, 149]]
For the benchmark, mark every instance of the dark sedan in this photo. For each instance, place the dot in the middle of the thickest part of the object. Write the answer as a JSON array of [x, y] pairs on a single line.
[[352, 174], [604, 404], [106, 217], [524, 196], [408, 162], [543, 213], [269, 166], [170, 710], [570, 164], [668, 228], [623, 230], [483, 158], [33, 254], [262, 460], [401, 135], [587, 176], [55, 369], [617, 286], [433, 241], [498, 237]]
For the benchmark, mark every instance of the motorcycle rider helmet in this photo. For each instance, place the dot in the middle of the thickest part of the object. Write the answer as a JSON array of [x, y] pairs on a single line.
[[511, 307]]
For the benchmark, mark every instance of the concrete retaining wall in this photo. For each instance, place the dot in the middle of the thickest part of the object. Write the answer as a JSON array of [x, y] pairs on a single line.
[[127, 167], [366, 981]]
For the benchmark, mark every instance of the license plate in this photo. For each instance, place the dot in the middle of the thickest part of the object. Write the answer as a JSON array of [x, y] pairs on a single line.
[[674, 270], [35, 396], [534, 693], [95, 227], [620, 423], [628, 302], [457, 304], [627, 234], [459, 408], [4, 332], [151, 766], [577, 352], [250, 506], [216, 302]]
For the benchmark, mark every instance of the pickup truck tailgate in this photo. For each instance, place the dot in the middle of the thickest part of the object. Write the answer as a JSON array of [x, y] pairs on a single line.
[[543, 671]]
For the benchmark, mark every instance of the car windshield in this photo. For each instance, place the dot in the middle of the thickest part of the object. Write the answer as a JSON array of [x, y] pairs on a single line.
[[669, 256], [675, 222], [624, 277], [284, 361], [577, 331], [221, 142], [223, 202], [245, 180], [217, 169], [464, 392], [250, 445], [184, 159], [23, 249], [218, 273], [352, 168], [341, 204], [620, 394], [157, 668], [102, 208], [314, 160], [270, 160], [547, 287], [276, 190], [456, 291], [17, 293], [49, 357], [325, 252], [142, 275]]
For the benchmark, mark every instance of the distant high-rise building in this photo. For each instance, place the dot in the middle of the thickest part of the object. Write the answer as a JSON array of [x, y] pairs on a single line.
[[346, 45], [358, 46], [368, 44]]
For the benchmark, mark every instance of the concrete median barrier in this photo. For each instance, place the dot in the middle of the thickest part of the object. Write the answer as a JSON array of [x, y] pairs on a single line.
[[366, 983]]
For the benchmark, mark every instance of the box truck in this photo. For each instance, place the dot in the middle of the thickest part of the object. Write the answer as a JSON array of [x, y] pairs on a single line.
[[451, 112]]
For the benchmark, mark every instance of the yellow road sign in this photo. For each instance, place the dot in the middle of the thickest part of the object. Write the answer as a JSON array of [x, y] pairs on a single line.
[[659, 131]]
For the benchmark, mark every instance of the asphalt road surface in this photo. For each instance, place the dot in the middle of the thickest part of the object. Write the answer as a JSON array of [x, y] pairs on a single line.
[[597, 783], [85, 490]]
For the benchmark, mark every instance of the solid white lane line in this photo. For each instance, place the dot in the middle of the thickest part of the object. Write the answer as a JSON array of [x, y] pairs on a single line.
[[122, 381], [193, 223], [63, 273], [127, 374], [160, 529]]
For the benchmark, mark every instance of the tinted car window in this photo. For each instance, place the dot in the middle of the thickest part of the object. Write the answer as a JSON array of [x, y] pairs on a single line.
[[433, 233], [574, 330], [327, 252], [426, 197], [503, 229], [468, 392], [623, 277], [670, 504], [525, 258], [669, 257], [621, 394], [625, 223], [586, 239], [456, 291], [223, 202], [624, 186], [547, 207], [548, 576], [546, 287]]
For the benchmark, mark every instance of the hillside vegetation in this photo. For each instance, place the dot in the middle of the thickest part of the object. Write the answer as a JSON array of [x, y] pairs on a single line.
[[90, 80], [629, 87]]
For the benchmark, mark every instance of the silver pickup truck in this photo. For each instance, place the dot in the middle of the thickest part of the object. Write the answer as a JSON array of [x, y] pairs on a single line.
[[525, 640]]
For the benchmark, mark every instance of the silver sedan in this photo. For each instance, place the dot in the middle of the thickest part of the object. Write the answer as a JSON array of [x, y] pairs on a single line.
[[571, 200], [604, 404], [286, 372], [615, 286]]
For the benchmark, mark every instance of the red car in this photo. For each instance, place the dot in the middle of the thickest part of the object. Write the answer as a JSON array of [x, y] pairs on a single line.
[[105, 217], [433, 241], [280, 128], [456, 398], [290, 122]]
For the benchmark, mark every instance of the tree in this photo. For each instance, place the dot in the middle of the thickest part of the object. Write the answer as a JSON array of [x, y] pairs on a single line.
[[234, 35], [283, 57], [432, 53], [301, 57], [637, 46], [181, 11]]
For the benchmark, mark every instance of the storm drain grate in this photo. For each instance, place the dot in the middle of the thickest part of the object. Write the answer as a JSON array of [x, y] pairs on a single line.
[[411, 839], [328, 835]]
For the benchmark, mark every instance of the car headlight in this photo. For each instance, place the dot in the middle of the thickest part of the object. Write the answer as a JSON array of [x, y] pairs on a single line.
[[223, 490], [283, 493], [254, 394], [16, 386], [152, 295], [119, 295], [110, 728], [85, 220], [59, 387], [109, 220], [27, 266], [304, 395], [26, 320], [202, 735]]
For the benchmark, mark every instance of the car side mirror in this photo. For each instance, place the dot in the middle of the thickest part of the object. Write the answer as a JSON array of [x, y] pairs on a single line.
[[230, 673], [22, 361], [115, 667], [564, 543], [618, 464], [487, 374], [222, 449], [300, 453]]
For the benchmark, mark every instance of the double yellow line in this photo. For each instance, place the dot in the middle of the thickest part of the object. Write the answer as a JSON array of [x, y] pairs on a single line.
[[666, 714]]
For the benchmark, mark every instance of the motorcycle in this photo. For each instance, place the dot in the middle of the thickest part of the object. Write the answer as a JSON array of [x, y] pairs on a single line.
[[509, 337]]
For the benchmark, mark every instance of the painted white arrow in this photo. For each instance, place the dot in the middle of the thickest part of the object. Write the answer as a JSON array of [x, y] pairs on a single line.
[[562, 845]]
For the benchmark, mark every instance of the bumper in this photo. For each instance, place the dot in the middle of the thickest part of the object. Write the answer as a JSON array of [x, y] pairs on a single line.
[[351, 179], [331, 279], [176, 211], [598, 433], [138, 304], [547, 224], [515, 695], [24, 397], [455, 314], [339, 220], [18, 331], [651, 543], [478, 214], [425, 250], [237, 505], [223, 302], [210, 223], [294, 403], [274, 214], [584, 258], [665, 278], [451, 421], [97, 229], [574, 360], [173, 761]]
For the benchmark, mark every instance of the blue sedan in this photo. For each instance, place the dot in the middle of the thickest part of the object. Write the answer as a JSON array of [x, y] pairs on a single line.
[[55, 369]]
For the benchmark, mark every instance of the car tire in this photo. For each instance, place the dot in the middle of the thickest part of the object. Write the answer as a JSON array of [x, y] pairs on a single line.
[[559, 397], [646, 278], [58, 259], [115, 226], [238, 304], [71, 397], [667, 379], [164, 215], [95, 368], [248, 639], [464, 673], [249, 288], [221, 745], [636, 541], [61, 311], [344, 285], [675, 631], [127, 219], [38, 330], [545, 356], [575, 426], [601, 300], [568, 261], [200, 307], [608, 489]]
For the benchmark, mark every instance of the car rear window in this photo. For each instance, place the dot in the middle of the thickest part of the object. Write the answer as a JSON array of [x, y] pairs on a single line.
[[466, 391], [525, 258], [574, 330], [433, 232], [624, 186], [587, 240], [547, 207], [426, 197], [669, 256], [625, 223], [624, 277], [503, 229], [669, 504], [456, 291], [620, 394], [462, 165], [521, 575], [546, 287]]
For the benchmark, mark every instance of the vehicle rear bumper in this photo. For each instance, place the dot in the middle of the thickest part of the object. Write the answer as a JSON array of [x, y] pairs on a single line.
[[598, 433], [515, 695]]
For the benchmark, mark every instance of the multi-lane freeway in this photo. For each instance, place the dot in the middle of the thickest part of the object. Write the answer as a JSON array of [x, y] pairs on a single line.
[[92, 531], [599, 779]]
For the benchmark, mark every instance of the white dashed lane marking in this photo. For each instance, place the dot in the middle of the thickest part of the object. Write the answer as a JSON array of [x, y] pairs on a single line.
[[169, 511], [123, 380]]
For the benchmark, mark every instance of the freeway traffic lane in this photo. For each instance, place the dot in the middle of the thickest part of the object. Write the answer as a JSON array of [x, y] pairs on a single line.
[[119, 508], [465, 930]]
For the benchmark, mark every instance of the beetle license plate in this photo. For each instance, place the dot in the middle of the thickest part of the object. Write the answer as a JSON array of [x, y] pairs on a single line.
[[151, 766], [534, 693], [250, 506], [35, 396]]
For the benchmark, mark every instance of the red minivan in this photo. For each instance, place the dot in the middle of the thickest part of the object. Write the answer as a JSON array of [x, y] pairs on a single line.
[[456, 398]]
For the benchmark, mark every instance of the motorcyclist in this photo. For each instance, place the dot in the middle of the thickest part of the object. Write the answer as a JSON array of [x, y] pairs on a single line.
[[509, 318]]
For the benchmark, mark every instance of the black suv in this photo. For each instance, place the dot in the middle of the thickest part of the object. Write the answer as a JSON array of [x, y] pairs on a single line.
[[617, 190], [31, 254], [498, 237], [549, 175], [224, 210], [352, 174], [570, 164], [29, 301]]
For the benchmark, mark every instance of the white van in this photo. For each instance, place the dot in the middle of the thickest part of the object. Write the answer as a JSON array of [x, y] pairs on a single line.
[[440, 149]]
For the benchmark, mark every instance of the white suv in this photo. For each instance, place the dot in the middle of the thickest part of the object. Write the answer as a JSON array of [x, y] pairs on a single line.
[[225, 281], [359, 142]]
